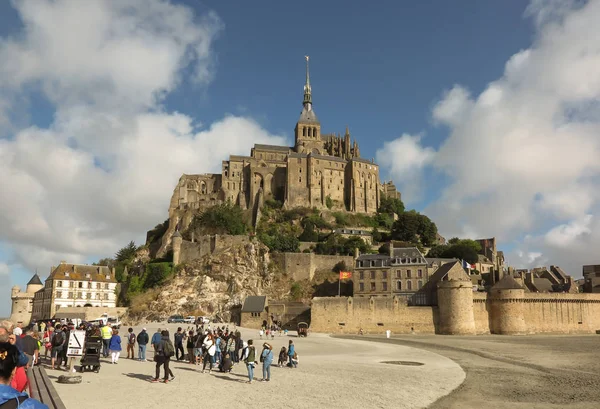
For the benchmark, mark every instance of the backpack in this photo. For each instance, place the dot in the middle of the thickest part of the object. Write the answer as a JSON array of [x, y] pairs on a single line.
[[57, 339], [168, 348], [132, 338], [14, 403]]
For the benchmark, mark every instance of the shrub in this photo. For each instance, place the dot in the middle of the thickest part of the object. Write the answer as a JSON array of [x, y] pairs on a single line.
[[220, 219], [328, 202]]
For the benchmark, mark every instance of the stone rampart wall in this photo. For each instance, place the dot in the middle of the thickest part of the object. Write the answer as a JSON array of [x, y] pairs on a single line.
[[209, 244], [302, 266], [555, 313]]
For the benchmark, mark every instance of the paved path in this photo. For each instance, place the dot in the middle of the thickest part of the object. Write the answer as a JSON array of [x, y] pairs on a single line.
[[333, 373]]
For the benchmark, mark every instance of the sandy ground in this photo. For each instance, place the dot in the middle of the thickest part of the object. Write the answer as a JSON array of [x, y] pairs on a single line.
[[532, 372], [333, 373]]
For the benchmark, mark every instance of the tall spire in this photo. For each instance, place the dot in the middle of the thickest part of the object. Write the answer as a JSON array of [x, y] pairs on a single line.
[[307, 91]]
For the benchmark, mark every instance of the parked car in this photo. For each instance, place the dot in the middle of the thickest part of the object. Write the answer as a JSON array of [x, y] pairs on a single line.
[[176, 319], [190, 319]]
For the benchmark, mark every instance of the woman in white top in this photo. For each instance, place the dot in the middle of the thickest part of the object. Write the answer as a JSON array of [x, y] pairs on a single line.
[[209, 352]]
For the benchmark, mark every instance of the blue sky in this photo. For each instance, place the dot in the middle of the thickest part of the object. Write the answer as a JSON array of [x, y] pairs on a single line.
[[418, 84]]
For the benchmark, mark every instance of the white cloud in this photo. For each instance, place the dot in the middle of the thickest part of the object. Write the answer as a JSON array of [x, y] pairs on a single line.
[[531, 139], [404, 159], [102, 173]]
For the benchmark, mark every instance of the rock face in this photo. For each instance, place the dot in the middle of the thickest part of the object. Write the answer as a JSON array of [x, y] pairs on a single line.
[[217, 284]]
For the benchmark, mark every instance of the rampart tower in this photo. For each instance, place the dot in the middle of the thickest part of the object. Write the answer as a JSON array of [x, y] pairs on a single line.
[[455, 302], [507, 298]]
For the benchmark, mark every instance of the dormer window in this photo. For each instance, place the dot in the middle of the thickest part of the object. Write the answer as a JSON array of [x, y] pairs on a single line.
[[87, 275], [108, 276], [66, 274]]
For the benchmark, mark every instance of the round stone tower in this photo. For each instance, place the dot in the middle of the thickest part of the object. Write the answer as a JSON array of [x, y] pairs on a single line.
[[177, 240], [507, 307], [35, 284], [455, 305]]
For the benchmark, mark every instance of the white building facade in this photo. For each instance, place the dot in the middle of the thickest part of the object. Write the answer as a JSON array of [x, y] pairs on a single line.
[[75, 285]]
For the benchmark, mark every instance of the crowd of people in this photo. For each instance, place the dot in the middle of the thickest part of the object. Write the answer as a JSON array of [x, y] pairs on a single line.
[[215, 349]]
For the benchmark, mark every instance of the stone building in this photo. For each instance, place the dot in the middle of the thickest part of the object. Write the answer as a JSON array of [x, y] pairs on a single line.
[[591, 277], [402, 273], [255, 312], [320, 169], [74, 285], [491, 261], [22, 302]]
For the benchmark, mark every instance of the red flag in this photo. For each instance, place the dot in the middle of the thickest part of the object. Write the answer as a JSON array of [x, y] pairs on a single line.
[[345, 274]]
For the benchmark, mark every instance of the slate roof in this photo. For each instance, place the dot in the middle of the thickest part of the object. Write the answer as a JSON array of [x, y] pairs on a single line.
[[542, 285], [308, 116], [35, 280], [440, 261], [507, 283], [255, 303], [271, 148], [373, 257], [441, 272], [78, 272], [411, 252]]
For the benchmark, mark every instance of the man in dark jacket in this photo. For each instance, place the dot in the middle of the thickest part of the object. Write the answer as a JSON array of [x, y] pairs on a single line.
[[162, 357], [179, 337], [142, 340]]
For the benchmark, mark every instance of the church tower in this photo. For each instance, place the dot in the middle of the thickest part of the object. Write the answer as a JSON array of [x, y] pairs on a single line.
[[308, 128]]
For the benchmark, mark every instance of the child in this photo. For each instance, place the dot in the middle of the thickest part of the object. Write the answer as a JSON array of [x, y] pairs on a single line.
[[295, 360], [282, 357]]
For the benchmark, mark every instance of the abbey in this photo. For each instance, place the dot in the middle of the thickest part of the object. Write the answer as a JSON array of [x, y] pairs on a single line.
[[319, 170]]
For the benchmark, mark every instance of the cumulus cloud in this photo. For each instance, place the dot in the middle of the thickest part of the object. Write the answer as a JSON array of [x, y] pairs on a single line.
[[405, 158], [103, 171], [531, 138]]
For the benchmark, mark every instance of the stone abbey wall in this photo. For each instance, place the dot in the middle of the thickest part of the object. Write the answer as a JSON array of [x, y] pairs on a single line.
[[208, 245], [302, 266], [507, 313]]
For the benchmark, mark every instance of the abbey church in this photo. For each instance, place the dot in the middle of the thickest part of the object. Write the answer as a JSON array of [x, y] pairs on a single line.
[[320, 169]]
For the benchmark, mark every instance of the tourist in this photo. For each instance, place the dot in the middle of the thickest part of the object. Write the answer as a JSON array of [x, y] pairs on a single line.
[[282, 357], [295, 360], [260, 333], [249, 358], [31, 347], [130, 343], [115, 347], [63, 352], [227, 363], [58, 341], [199, 340], [218, 342], [179, 337], [191, 340], [230, 346], [106, 332], [266, 357], [142, 340], [291, 351], [238, 347], [208, 355], [156, 338], [46, 338], [10, 397], [164, 350]]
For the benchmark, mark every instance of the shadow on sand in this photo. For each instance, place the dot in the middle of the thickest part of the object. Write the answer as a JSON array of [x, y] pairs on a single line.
[[142, 377]]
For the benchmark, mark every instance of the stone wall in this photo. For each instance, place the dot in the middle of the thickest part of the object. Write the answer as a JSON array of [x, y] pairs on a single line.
[[92, 313], [555, 313], [302, 266], [208, 245]]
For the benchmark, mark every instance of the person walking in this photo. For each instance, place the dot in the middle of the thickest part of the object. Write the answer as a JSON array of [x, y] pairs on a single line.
[[209, 348], [162, 356], [291, 351], [130, 343], [142, 340], [115, 347], [266, 357], [58, 341], [106, 332], [249, 358], [179, 337]]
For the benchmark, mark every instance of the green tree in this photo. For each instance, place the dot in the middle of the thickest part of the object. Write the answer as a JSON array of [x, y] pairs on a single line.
[[391, 206], [296, 291], [156, 274], [126, 254], [415, 228], [328, 202]]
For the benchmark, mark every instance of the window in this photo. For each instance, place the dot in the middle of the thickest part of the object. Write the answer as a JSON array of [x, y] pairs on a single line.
[[373, 287], [384, 286], [89, 285], [59, 294], [384, 275], [70, 295], [80, 295], [361, 286], [420, 284], [66, 274], [409, 285], [399, 285], [71, 284], [59, 284], [300, 179], [97, 296], [408, 274], [372, 274], [398, 274], [361, 275], [80, 284], [88, 296], [106, 296], [98, 286], [106, 286], [87, 275], [419, 273]]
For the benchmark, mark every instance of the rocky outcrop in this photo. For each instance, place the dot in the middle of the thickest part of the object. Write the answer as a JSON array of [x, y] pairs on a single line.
[[216, 284]]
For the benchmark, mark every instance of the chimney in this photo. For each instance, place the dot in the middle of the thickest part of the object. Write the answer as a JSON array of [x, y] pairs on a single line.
[[113, 272]]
